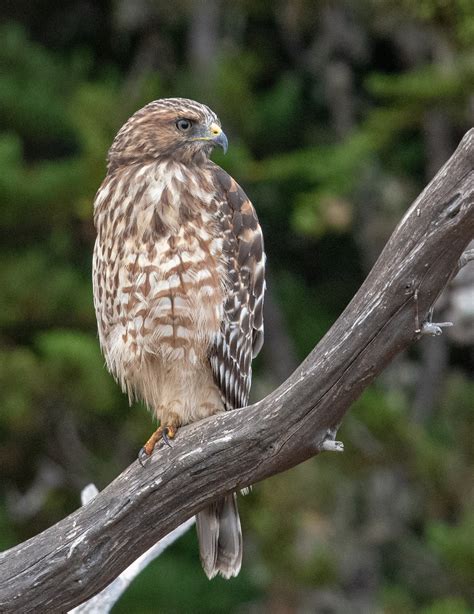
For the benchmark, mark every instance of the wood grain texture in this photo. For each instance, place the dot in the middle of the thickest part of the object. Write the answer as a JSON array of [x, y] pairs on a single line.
[[77, 557]]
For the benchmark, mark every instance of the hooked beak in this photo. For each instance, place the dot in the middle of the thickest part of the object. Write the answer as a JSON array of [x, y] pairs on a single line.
[[218, 137], [214, 135]]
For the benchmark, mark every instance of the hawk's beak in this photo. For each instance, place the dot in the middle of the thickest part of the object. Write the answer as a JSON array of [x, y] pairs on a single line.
[[218, 137]]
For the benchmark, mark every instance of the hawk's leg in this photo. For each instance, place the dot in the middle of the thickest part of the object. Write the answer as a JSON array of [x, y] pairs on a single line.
[[166, 433]]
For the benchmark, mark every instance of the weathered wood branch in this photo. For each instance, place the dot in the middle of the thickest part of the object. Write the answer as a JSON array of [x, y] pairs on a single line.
[[104, 601], [77, 557]]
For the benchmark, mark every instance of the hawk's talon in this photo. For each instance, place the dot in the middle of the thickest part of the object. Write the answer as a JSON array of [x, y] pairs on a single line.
[[169, 432], [148, 448], [143, 456], [164, 436], [162, 432]]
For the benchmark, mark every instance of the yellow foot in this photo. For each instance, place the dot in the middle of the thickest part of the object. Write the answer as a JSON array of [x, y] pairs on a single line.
[[163, 432]]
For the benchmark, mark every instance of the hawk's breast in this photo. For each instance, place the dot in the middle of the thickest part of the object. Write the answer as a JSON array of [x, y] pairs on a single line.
[[158, 259]]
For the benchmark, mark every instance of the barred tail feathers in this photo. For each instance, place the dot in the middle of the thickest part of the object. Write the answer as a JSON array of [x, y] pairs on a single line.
[[220, 538]]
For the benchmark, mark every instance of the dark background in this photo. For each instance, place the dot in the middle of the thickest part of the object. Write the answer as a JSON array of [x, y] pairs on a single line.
[[337, 113]]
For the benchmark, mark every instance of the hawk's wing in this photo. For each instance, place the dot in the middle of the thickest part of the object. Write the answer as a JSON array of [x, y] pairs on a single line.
[[241, 335]]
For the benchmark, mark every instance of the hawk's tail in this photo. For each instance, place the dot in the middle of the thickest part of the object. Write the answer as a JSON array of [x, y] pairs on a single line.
[[220, 538]]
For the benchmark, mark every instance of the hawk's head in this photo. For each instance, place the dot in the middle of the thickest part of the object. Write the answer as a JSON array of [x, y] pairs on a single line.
[[175, 128]]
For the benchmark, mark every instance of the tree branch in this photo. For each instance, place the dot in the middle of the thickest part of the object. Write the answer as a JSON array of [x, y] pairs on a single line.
[[106, 599], [77, 557]]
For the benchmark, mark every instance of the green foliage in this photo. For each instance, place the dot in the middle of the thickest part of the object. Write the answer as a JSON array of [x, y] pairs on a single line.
[[426, 85], [34, 85], [74, 365], [455, 545], [450, 605], [456, 16], [18, 402], [39, 289]]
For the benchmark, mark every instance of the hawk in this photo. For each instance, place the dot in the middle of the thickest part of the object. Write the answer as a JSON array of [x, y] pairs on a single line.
[[178, 275]]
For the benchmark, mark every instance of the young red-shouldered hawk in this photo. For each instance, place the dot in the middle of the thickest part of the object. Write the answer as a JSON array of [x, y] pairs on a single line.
[[178, 276]]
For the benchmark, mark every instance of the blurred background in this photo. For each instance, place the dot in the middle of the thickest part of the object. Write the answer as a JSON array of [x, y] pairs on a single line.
[[338, 113]]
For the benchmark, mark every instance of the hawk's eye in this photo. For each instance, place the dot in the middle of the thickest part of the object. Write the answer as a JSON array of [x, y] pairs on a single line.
[[184, 124]]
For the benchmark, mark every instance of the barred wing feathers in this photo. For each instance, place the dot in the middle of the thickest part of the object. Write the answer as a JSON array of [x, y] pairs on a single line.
[[241, 335]]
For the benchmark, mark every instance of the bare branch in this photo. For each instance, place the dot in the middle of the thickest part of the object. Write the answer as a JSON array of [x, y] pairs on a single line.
[[331, 445], [77, 557], [105, 600], [466, 257]]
